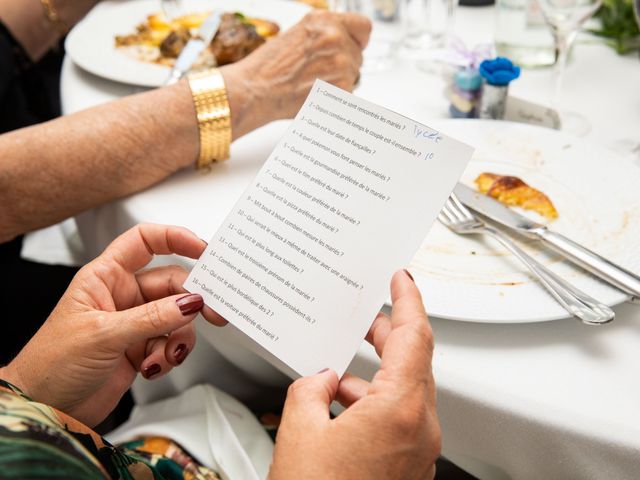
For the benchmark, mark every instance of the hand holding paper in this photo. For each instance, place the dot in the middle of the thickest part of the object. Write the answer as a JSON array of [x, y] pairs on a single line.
[[303, 261], [395, 413]]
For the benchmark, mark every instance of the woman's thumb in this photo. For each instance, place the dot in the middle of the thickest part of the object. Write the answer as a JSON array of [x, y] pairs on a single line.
[[308, 398], [157, 318]]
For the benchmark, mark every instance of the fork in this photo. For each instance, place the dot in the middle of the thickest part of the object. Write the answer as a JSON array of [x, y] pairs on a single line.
[[459, 219]]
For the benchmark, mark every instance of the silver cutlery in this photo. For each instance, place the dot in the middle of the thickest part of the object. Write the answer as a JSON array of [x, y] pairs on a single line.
[[592, 262], [194, 47], [459, 219]]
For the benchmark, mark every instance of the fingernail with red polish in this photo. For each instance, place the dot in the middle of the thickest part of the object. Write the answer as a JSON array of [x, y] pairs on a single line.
[[180, 353], [322, 371], [190, 304], [151, 371], [409, 275]]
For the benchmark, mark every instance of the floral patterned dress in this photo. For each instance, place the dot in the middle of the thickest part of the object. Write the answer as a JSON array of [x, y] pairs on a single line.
[[38, 441]]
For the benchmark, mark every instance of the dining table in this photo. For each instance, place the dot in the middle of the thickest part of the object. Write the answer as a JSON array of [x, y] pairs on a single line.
[[555, 399]]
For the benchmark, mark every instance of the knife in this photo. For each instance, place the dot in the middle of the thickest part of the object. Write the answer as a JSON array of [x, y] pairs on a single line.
[[592, 262], [194, 46]]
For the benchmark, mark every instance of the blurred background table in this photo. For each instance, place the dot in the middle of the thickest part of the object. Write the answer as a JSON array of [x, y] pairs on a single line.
[[545, 400]]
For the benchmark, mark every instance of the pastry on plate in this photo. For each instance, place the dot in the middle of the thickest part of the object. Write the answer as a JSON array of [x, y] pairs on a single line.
[[513, 191]]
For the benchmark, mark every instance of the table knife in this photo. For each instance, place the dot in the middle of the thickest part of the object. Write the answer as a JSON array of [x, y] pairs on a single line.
[[194, 47], [592, 262]]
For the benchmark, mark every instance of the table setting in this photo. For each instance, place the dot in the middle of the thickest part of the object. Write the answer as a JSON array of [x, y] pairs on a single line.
[[536, 317]]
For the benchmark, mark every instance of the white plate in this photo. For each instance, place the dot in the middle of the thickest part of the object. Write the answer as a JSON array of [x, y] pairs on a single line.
[[91, 44], [473, 278]]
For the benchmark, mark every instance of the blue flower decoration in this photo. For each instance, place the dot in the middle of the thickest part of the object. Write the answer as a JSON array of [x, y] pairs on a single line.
[[499, 71]]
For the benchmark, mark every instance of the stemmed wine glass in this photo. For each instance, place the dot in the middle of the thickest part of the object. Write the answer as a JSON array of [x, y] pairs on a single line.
[[565, 18]]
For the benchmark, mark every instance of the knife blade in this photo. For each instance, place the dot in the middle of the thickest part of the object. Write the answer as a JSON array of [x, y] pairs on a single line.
[[194, 47], [599, 266]]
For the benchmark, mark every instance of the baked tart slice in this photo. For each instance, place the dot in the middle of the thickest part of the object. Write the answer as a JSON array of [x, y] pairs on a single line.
[[514, 192]]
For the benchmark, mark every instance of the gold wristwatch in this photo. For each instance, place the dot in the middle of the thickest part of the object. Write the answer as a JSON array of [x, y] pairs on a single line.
[[214, 116]]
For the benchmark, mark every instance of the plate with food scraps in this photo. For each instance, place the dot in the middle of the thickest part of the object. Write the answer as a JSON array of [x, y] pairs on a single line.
[[132, 41], [594, 192]]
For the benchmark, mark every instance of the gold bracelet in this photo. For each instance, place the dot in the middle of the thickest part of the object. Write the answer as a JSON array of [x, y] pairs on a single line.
[[214, 116], [51, 13]]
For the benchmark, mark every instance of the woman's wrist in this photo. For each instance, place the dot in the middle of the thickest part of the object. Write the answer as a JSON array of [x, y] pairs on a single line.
[[173, 105], [248, 107], [8, 374]]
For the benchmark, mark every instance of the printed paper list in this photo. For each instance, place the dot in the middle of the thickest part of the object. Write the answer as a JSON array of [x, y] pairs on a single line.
[[303, 261]]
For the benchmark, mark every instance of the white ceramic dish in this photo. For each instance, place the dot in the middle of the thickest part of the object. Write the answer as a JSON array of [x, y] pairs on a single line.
[[91, 43], [473, 278]]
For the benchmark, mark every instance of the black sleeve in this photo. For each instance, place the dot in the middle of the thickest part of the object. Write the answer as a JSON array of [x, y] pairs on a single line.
[[28, 90]]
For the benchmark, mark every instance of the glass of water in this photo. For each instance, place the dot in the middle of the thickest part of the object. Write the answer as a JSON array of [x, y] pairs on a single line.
[[429, 23], [387, 33]]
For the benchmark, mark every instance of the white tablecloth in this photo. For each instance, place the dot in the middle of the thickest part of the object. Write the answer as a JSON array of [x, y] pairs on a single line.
[[549, 400]]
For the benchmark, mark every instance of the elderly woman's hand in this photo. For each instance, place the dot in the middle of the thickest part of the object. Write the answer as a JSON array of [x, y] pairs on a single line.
[[390, 429], [113, 322], [273, 81]]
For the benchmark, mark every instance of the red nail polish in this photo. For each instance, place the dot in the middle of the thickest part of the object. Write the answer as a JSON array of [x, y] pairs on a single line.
[[189, 304], [322, 371], [409, 275], [151, 371], [180, 353]]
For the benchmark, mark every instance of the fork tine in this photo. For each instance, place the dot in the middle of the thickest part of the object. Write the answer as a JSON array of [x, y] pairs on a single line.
[[444, 219], [453, 212], [454, 199], [446, 212], [464, 211]]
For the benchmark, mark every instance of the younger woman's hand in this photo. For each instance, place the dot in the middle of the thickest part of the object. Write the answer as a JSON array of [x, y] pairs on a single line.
[[114, 321], [390, 429]]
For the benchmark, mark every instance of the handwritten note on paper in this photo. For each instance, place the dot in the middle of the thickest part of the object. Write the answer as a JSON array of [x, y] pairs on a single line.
[[302, 263]]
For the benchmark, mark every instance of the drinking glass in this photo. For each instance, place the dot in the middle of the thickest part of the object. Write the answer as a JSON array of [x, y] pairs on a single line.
[[387, 31], [565, 18], [429, 23], [521, 33], [429, 26]]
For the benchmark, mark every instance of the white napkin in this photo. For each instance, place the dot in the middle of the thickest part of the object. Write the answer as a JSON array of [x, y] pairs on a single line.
[[58, 244], [216, 429]]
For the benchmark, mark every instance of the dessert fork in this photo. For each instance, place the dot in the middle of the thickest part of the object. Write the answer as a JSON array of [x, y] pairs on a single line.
[[459, 219]]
